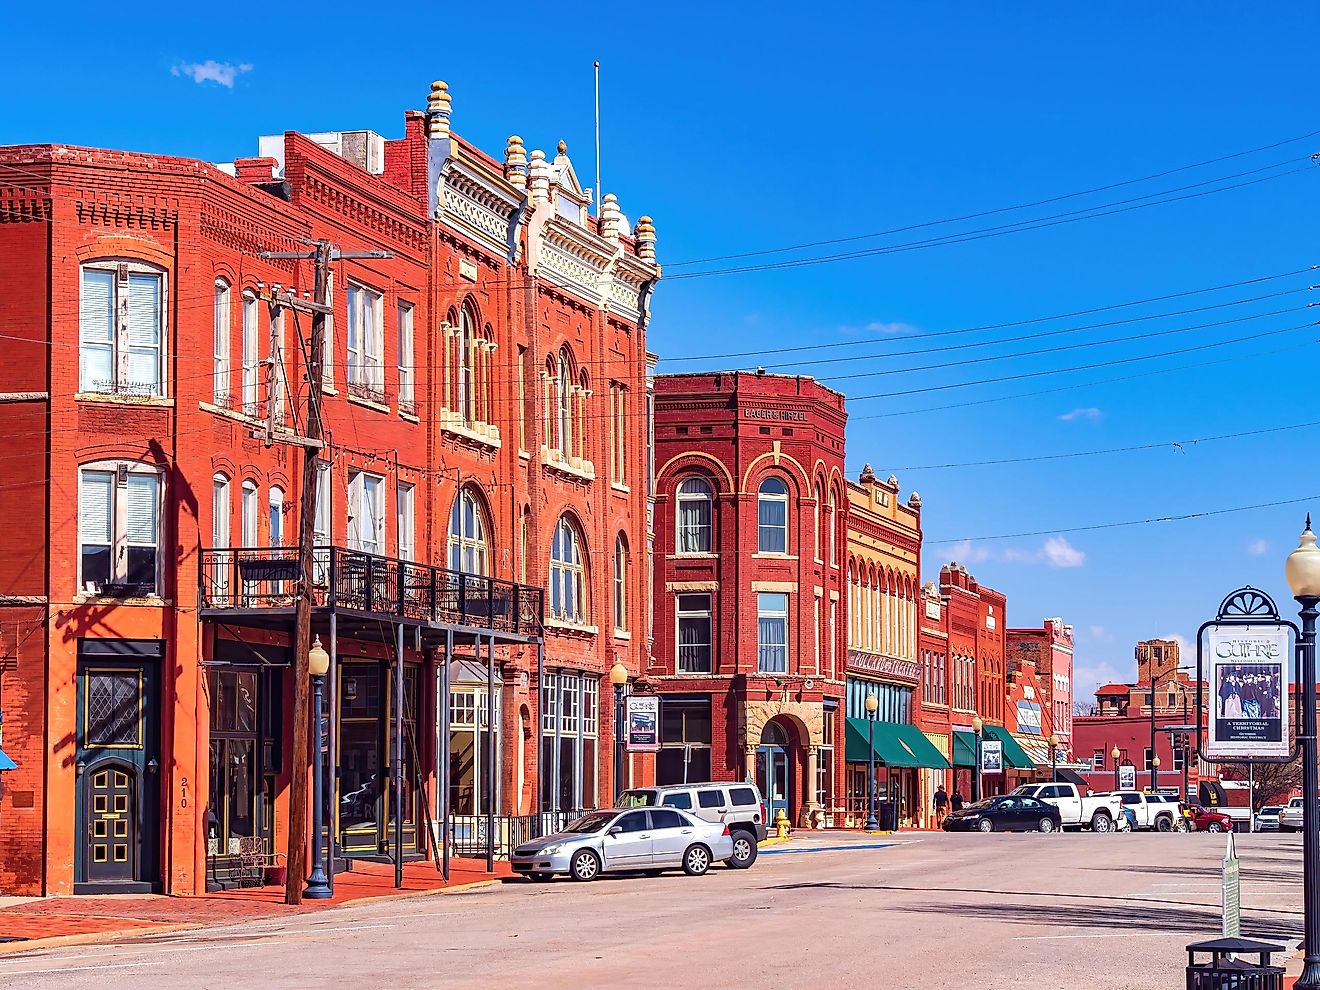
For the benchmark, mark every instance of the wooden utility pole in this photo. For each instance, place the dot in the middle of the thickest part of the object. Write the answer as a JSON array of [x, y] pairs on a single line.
[[321, 254]]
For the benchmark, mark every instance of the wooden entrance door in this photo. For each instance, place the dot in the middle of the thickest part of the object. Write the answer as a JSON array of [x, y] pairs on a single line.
[[112, 824]]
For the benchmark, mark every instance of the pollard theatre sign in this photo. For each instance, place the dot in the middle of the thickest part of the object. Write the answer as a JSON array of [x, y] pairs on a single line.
[[643, 717]]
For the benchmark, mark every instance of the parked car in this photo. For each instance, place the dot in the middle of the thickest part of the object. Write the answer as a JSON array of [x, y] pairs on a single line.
[[1290, 818], [1267, 819], [737, 805], [1160, 812], [1097, 812], [1010, 813], [649, 840], [1207, 819]]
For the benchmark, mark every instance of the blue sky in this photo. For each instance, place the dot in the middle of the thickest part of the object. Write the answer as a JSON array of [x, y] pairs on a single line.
[[740, 131]]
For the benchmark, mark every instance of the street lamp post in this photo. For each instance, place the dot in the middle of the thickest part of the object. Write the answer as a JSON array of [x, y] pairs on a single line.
[[977, 726], [1115, 753], [1154, 772], [872, 704], [1054, 756], [318, 662], [619, 678], [1303, 573]]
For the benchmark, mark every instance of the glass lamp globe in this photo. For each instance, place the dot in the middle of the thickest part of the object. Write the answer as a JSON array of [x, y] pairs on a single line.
[[1302, 568], [977, 724], [872, 703], [618, 674], [318, 661]]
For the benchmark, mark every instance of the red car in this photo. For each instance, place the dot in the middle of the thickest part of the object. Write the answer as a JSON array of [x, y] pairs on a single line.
[[1204, 820]]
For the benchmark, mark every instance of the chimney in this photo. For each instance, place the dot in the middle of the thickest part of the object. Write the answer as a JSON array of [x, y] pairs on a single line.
[[255, 170]]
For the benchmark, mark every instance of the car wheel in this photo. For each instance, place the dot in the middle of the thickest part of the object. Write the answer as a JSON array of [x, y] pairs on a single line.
[[1047, 824], [1101, 823], [1214, 827], [985, 825], [696, 861], [744, 851], [1164, 824], [1182, 825], [585, 866]]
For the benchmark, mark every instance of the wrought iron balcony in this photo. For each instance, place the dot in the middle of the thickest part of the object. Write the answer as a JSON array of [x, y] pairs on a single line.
[[248, 579]]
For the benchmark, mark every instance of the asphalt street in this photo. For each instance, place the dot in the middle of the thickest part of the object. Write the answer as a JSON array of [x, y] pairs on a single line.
[[930, 911]]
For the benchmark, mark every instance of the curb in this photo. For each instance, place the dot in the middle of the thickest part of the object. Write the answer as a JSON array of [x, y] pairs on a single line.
[[773, 840], [121, 934]]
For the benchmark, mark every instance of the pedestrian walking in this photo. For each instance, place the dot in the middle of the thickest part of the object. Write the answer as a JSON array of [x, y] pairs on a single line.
[[956, 802], [941, 805]]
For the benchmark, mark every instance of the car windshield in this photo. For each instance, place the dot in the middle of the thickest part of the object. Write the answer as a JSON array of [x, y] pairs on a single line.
[[637, 799], [591, 823], [1270, 810], [980, 805]]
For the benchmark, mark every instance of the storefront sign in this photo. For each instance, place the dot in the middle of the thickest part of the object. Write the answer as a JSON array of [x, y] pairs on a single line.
[[1028, 715], [905, 671], [992, 756], [790, 415], [933, 611], [1247, 692], [643, 718], [1127, 778]]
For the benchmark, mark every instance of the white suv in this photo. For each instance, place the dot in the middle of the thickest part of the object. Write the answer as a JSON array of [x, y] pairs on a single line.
[[1290, 818], [737, 805]]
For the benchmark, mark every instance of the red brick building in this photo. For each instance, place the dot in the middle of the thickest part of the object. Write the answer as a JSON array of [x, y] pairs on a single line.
[[480, 381], [750, 522]]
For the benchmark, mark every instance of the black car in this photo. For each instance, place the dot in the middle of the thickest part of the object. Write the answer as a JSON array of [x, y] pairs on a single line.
[[1005, 814]]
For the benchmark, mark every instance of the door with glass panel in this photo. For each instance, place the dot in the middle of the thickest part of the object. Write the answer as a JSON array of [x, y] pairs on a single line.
[[233, 815], [774, 770]]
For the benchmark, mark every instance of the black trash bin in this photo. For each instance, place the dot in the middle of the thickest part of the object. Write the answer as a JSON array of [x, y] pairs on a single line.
[[886, 815], [1223, 972]]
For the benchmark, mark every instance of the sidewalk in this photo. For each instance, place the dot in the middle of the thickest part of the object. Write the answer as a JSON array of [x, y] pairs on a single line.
[[42, 922]]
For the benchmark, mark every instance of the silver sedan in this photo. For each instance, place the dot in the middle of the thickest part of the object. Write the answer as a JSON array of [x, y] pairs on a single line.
[[622, 840]]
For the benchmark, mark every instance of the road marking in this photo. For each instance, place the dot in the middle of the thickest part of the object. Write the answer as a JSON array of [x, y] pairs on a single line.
[[821, 849], [75, 969], [1047, 938]]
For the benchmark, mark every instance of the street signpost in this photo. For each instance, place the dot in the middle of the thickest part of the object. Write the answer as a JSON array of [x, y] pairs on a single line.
[[1127, 777], [992, 756], [643, 720], [1231, 895]]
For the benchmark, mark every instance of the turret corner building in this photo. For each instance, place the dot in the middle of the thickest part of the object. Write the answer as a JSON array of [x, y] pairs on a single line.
[[482, 541]]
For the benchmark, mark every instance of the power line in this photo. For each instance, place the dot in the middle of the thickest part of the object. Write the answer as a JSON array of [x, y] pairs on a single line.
[[985, 213]]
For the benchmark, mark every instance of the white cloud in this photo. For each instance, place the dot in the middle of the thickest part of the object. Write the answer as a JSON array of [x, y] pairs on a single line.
[[1258, 548], [1089, 413], [222, 73], [1097, 632], [1060, 553], [967, 552], [1089, 676], [1186, 648], [879, 328]]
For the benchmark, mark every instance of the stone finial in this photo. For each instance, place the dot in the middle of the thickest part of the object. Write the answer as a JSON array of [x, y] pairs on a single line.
[[538, 175], [893, 482], [611, 217], [914, 501], [867, 477], [439, 105], [644, 235], [515, 162], [561, 149]]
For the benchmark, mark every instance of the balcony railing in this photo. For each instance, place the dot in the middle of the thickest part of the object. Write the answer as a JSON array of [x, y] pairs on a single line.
[[253, 579]]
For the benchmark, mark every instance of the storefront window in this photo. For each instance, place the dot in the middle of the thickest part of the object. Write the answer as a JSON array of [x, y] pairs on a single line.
[[569, 722], [685, 738], [825, 761], [232, 815], [469, 730]]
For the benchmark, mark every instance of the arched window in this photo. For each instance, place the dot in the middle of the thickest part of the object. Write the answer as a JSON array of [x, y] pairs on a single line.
[[568, 584], [772, 516], [832, 525], [620, 584], [248, 514], [221, 390], [276, 516], [468, 550], [564, 404], [220, 534], [466, 380], [693, 516], [815, 512], [524, 544]]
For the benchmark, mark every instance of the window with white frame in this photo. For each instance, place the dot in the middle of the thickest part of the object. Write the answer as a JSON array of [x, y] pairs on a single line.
[[772, 516], [620, 584], [693, 620], [831, 527], [693, 508], [466, 383], [772, 632], [220, 389], [220, 510], [279, 381], [569, 747], [815, 630], [404, 521], [248, 514], [1145, 758], [121, 329], [366, 341], [276, 528], [251, 369], [568, 574], [119, 515], [407, 401], [522, 398], [618, 433], [366, 513], [469, 552], [1098, 759], [321, 524], [328, 337], [816, 511]]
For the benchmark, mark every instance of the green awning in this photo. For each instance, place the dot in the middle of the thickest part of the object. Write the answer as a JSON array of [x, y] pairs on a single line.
[[896, 745], [964, 749], [1014, 755]]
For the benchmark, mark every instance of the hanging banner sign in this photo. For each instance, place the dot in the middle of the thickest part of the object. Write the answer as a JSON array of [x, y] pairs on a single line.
[[992, 756], [1127, 778], [643, 718], [1247, 692]]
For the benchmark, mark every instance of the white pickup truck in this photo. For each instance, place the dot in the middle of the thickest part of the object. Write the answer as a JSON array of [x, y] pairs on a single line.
[[1096, 812], [1159, 812]]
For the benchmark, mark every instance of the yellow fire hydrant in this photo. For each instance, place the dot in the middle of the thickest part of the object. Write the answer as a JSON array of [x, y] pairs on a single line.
[[781, 824]]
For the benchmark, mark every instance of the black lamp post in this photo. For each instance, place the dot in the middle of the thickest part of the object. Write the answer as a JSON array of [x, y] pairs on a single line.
[[1303, 573], [1054, 758], [318, 662], [1115, 753], [619, 678], [977, 726], [872, 704]]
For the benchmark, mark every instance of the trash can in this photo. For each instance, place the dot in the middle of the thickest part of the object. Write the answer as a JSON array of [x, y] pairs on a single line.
[[886, 814], [1224, 972]]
